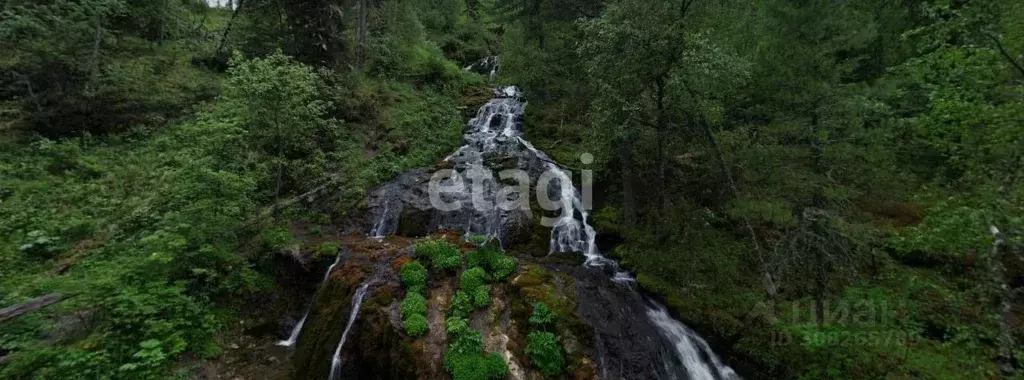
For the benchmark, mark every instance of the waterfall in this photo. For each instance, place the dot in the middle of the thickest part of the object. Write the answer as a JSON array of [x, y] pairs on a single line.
[[572, 234], [294, 336], [488, 65], [357, 301], [493, 141], [378, 231], [690, 348]]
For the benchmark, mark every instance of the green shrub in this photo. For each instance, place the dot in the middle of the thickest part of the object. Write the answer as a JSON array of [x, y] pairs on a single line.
[[476, 258], [414, 304], [466, 342], [465, 359], [328, 249], [416, 325], [477, 366], [456, 325], [478, 239], [40, 244], [496, 366], [277, 238], [472, 278], [462, 304], [448, 260], [413, 274], [542, 315], [431, 248], [482, 296], [441, 254], [545, 352], [492, 259], [416, 289], [503, 267]]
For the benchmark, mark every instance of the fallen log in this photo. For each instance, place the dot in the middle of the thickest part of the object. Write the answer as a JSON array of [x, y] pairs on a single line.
[[29, 306]]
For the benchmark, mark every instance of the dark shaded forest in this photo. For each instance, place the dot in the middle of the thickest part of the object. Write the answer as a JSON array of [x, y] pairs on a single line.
[[821, 188]]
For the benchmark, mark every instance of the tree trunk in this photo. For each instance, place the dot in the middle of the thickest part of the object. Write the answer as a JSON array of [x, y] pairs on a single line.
[[662, 180], [1007, 345], [762, 265], [227, 28], [471, 9], [628, 192], [280, 174], [363, 4], [820, 285], [96, 49], [29, 306]]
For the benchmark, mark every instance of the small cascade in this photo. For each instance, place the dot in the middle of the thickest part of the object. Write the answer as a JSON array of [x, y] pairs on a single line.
[[294, 336], [572, 233], [699, 361], [492, 143], [488, 65], [378, 231], [357, 301], [385, 213]]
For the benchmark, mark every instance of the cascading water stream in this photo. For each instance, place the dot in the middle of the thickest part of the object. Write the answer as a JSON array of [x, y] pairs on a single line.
[[379, 231], [572, 234], [357, 302], [493, 140], [294, 336]]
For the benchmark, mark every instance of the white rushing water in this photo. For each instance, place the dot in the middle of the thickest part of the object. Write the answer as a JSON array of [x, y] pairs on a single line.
[[379, 231], [357, 301], [569, 234], [689, 347], [294, 336], [497, 129]]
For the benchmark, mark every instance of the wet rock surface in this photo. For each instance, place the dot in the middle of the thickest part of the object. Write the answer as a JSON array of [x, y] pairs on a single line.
[[606, 328]]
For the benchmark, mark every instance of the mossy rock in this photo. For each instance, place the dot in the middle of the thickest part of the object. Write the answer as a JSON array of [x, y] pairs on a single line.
[[326, 322], [573, 259], [557, 290]]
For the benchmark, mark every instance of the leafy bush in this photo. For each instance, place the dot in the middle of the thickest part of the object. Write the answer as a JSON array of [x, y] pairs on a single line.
[[277, 238], [476, 258], [442, 255], [448, 260], [431, 248], [477, 366], [413, 274], [503, 266], [466, 340], [328, 249], [478, 239], [496, 366], [40, 244], [456, 325], [493, 259], [472, 279], [545, 352], [482, 296], [542, 315], [464, 358], [949, 233], [462, 304], [416, 325], [414, 303], [419, 289]]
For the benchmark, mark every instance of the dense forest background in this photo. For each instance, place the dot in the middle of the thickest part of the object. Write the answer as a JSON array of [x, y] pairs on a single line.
[[765, 167]]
